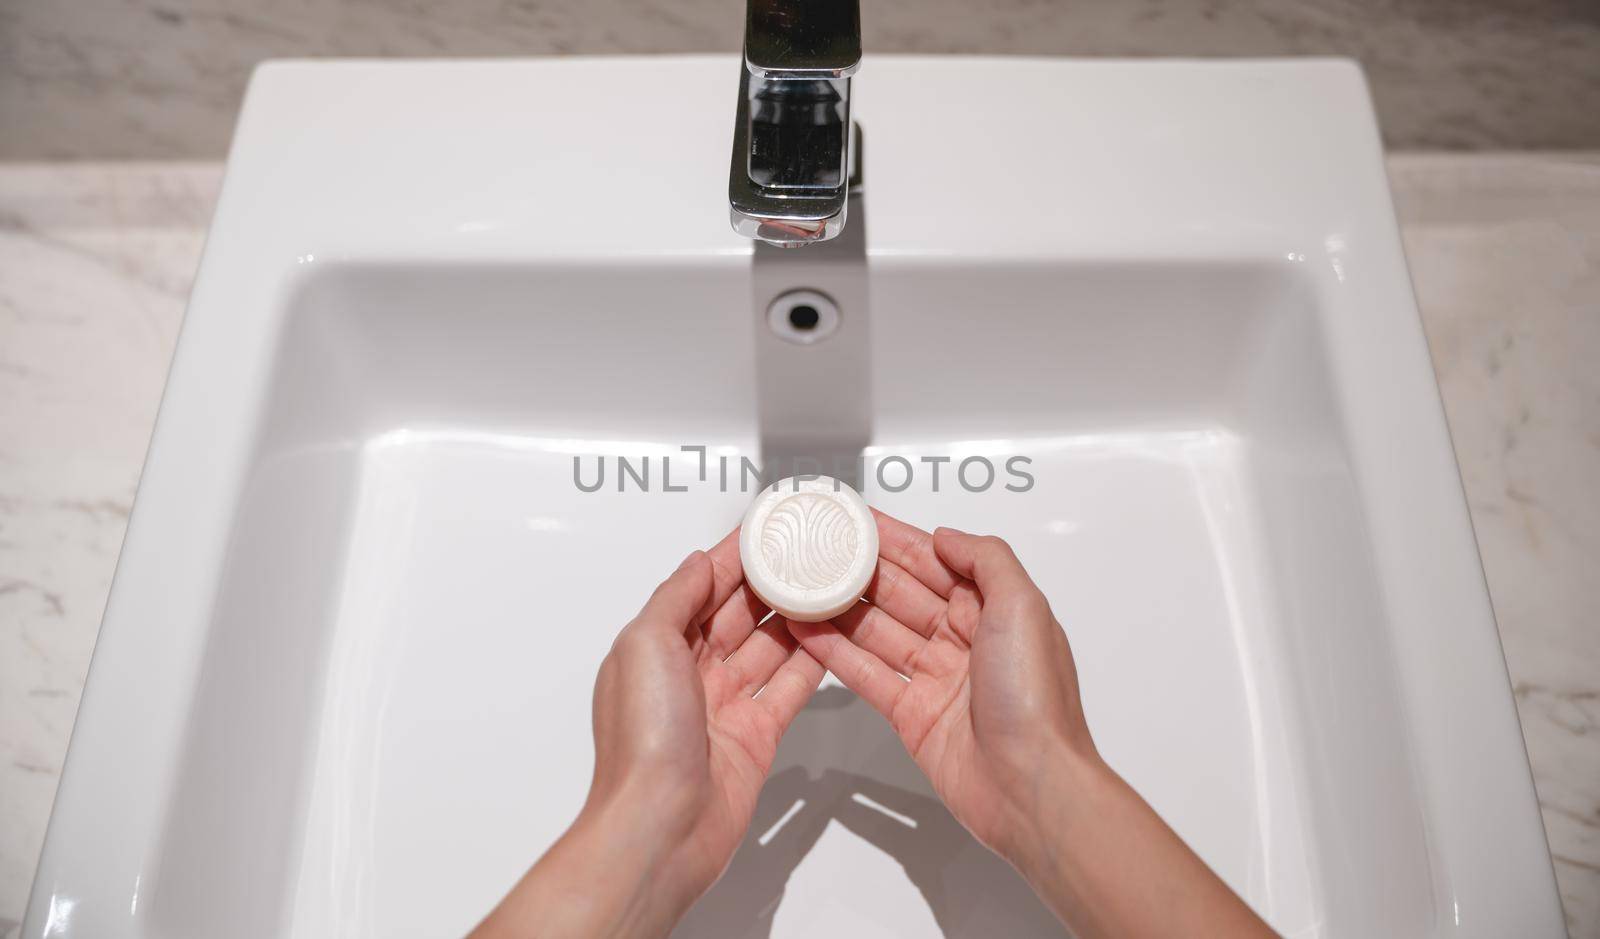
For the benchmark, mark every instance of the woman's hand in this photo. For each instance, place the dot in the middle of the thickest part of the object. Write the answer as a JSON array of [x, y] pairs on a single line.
[[688, 709], [958, 648]]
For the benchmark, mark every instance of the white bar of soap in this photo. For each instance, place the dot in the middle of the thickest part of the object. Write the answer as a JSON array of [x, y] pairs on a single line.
[[809, 547]]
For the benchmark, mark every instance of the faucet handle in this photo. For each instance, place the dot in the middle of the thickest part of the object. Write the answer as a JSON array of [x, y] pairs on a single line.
[[802, 39]]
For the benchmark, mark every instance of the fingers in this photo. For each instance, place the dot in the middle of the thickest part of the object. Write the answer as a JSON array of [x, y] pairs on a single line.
[[874, 630], [754, 662], [791, 686], [860, 670], [680, 598], [733, 622], [912, 550], [966, 606], [986, 561], [904, 597], [727, 573], [725, 618]]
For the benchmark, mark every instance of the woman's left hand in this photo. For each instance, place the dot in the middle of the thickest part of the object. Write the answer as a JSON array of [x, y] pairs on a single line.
[[689, 707]]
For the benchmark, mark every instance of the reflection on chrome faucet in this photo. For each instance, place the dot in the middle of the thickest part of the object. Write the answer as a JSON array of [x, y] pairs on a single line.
[[790, 174]]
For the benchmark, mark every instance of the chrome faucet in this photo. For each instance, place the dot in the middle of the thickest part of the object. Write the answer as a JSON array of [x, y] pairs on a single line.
[[790, 177]]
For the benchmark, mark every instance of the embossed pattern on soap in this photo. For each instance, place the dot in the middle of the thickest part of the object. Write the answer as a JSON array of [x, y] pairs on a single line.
[[808, 541]]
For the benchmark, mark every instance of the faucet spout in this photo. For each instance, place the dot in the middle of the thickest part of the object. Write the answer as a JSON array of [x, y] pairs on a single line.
[[789, 178]]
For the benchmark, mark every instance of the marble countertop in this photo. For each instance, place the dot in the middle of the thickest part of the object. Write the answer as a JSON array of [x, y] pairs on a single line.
[[96, 262], [161, 79]]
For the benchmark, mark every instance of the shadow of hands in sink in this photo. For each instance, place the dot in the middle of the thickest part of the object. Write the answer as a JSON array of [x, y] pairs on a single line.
[[848, 767]]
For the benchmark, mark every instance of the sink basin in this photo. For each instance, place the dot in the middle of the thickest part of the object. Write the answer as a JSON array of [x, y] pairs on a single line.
[[342, 680]]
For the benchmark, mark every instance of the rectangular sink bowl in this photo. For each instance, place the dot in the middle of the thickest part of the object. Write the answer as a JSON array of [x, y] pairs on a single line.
[[342, 683]]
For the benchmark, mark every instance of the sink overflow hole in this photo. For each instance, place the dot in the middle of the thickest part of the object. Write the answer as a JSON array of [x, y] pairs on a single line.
[[803, 316]]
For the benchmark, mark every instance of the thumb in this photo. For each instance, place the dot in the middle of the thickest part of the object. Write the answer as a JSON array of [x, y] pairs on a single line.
[[983, 559], [675, 604]]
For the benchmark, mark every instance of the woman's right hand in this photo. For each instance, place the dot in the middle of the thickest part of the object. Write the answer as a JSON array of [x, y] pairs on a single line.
[[959, 650], [957, 647]]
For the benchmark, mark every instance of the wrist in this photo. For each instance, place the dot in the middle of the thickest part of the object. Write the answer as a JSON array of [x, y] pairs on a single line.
[[610, 875], [1054, 799], [628, 842], [1089, 845]]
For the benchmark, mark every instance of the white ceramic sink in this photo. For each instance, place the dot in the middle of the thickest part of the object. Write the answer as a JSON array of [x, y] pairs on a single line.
[[343, 679]]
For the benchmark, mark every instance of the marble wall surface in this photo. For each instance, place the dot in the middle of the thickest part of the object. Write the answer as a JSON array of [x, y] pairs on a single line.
[[95, 266], [117, 79]]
